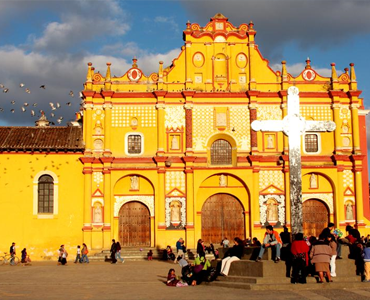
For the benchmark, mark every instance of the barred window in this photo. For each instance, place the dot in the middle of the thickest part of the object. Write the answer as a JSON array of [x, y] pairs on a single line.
[[45, 194], [311, 143], [134, 144], [221, 153]]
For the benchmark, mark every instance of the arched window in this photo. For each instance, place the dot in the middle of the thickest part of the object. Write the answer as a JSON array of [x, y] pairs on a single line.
[[45, 194], [221, 153]]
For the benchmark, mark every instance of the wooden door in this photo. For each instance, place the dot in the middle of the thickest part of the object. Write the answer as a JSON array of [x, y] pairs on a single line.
[[222, 216], [315, 217], [134, 225]]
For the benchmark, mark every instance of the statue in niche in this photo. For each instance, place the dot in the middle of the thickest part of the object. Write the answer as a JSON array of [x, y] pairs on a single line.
[[98, 217], [222, 180], [345, 126], [175, 212], [270, 142], [349, 211], [313, 181], [175, 143], [134, 183], [272, 211]]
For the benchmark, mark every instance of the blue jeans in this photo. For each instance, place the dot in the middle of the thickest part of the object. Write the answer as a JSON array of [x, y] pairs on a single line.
[[118, 256], [84, 258], [277, 247]]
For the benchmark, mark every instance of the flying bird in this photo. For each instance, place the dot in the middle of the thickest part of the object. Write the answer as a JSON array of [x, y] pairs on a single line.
[[58, 105], [23, 109], [35, 104], [43, 86], [32, 113], [5, 90], [1, 109], [1, 86], [12, 102], [59, 121], [25, 104], [28, 91], [12, 110], [21, 85], [68, 103], [71, 94], [52, 115], [81, 95]]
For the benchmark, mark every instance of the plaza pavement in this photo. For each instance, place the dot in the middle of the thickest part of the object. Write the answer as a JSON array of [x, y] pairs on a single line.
[[134, 280]]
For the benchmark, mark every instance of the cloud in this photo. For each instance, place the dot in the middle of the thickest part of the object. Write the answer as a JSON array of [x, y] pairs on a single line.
[[308, 23], [167, 20]]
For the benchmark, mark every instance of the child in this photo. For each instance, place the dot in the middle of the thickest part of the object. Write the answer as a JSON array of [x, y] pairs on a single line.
[[78, 255], [150, 255], [366, 256], [173, 281]]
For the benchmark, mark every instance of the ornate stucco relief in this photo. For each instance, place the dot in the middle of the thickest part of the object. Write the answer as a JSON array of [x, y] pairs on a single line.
[[348, 179], [325, 197], [122, 115], [280, 199], [271, 112], [202, 126], [316, 112], [275, 178], [121, 200], [240, 126], [175, 117], [175, 180]]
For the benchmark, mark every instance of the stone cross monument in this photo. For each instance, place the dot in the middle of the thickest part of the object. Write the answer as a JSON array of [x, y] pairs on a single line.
[[293, 125]]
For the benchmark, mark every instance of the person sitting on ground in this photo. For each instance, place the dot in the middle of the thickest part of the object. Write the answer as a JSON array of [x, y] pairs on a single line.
[[173, 281], [233, 254], [300, 252], [186, 271], [271, 239], [320, 255], [201, 269]]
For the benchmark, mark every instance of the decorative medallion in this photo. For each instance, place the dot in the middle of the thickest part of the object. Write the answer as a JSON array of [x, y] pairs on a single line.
[[309, 75], [97, 77], [134, 74], [241, 60], [198, 59]]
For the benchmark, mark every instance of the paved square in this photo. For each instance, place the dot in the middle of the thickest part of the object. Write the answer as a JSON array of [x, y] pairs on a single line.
[[132, 280]]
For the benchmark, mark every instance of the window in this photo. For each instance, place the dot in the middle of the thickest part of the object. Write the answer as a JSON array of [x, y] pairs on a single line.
[[45, 194], [311, 143], [134, 144], [221, 153]]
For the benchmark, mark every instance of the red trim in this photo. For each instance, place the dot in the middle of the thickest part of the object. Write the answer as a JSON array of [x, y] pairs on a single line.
[[105, 160], [86, 160], [161, 226], [88, 93], [107, 93]]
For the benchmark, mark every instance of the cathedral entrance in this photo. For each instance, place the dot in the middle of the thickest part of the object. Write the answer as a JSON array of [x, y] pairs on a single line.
[[315, 217], [222, 216], [134, 225]]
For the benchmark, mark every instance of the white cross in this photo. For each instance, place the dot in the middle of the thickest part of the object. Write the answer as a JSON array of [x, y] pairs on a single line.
[[293, 125]]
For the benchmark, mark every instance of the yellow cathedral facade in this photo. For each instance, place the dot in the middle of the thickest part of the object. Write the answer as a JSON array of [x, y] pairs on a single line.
[[172, 154]]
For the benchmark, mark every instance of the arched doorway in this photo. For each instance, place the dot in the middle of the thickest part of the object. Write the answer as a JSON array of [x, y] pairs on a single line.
[[222, 216], [134, 225], [315, 217]]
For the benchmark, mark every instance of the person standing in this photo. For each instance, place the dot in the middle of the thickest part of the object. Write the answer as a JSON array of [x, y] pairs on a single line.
[[113, 250], [78, 255], [84, 251], [320, 255], [366, 257], [333, 246], [299, 251], [118, 252], [12, 253], [225, 243], [64, 255], [180, 249], [201, 249]]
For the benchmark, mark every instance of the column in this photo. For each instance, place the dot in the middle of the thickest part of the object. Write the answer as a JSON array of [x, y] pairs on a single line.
[[337, 139], [338, 201], [87, 227], [160, 122], [358, 192], [107, 123], [355, 129], [88, 128], [254, 203], [108, 203]]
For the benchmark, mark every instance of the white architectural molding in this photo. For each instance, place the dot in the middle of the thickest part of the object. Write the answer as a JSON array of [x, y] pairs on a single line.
[[36, 195], [281, 207], [182, 200], [121, 200]]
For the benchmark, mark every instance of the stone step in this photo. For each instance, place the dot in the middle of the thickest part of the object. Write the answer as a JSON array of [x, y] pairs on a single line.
[[289, 286]]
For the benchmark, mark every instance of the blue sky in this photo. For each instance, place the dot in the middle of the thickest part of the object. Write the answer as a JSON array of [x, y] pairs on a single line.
[[50, 42]]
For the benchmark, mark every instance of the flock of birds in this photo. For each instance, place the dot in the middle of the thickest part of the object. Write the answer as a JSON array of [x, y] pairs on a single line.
[[25, 105]]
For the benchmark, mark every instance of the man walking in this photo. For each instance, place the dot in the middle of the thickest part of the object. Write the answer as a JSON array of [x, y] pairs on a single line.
[[180, 249], [12, 253], [273, 240]]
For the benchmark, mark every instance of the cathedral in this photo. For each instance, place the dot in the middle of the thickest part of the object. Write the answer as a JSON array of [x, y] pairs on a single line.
[[155, 157]]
